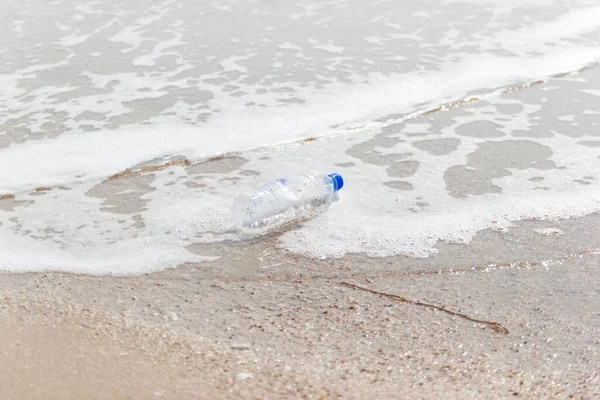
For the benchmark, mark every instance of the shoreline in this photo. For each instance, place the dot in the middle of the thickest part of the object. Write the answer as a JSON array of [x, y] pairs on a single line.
[[262, 323]]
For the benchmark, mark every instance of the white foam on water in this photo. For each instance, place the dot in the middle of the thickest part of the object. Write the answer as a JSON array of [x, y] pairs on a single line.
[[572, 24], [378, 221], [122, 258], [91, 155], [70, 230], [417, 235]]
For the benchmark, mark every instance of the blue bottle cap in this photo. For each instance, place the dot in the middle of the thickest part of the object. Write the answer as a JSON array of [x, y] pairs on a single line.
[[337, 180]]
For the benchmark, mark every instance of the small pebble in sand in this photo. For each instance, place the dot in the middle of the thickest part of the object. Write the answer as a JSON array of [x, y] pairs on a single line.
[[240, 346], [549, 232], [171, 316], [242, 376]]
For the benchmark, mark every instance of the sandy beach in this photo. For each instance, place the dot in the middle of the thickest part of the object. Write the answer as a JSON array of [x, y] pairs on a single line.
[[460, 260], [263, 324]]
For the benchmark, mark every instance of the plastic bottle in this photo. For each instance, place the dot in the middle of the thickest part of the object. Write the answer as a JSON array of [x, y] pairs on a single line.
[[285, 199]]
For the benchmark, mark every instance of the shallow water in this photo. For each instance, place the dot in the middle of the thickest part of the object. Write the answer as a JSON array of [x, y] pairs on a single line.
[[444, 118]]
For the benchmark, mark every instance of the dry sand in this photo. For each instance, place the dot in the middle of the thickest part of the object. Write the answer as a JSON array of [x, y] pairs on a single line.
[[261, 323]]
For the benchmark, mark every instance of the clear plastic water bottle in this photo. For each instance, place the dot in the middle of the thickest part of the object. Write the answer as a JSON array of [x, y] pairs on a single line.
[[285, 199]]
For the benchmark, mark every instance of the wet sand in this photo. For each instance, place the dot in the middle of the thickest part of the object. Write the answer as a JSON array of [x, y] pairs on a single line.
[[261, 323]]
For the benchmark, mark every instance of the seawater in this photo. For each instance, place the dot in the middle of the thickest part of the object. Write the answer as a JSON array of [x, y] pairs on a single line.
[[127, 130]]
